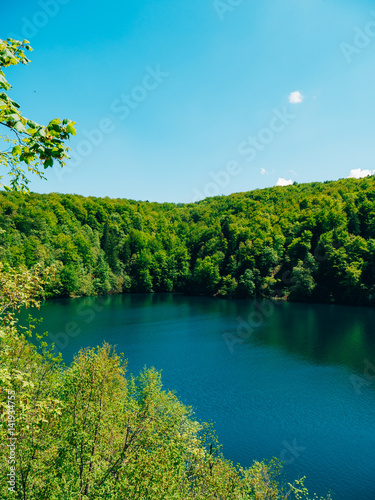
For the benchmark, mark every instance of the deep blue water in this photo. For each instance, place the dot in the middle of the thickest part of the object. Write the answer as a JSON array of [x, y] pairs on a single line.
[[293, 381]]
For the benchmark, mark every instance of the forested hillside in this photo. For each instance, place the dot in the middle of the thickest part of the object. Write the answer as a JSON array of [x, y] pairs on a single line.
[[302, 242]]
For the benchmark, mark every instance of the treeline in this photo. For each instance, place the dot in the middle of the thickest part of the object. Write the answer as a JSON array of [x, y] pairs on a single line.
[[308, 242]]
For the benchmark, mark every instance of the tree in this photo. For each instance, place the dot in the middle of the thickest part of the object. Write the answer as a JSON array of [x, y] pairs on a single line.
[[228, 287], [246, 285], [303, 283], [102, 275], [32, 145], [206, 276], [300, 246], [69, 279]]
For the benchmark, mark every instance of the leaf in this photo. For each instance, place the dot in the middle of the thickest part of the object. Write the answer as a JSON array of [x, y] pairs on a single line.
[[4, 83], [13, 116], [32, 124], [20, 127], [16, 151], [71, 129]]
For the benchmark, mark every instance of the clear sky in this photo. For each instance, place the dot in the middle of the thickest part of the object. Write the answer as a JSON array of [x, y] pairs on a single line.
[[179, 99]]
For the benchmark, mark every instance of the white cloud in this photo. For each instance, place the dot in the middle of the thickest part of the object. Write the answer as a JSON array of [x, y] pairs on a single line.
[[357, 173], [284, 182], [295, 97], [263, 171]]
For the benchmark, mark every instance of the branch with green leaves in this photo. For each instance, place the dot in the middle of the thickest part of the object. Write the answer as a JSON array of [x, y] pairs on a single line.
[[32, 147], [20, 287]]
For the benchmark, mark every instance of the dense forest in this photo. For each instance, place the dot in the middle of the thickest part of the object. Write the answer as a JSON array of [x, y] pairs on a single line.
[[308, 242]]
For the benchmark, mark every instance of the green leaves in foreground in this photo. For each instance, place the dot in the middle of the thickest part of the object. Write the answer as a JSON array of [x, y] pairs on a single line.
[[32, 145]]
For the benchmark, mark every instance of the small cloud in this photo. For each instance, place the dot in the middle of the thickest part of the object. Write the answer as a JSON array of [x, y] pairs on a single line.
[[263, 171], [284, 182], [296, 97], [292, 172], [357, 173]]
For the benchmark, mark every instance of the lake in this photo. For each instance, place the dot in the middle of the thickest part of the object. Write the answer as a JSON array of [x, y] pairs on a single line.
[[293, 381]]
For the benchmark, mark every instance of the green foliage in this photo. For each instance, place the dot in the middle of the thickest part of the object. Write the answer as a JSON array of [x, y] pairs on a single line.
[[303, 279], [299, 242], [34, 146], [246, 286], [206, 277], [18, 288]]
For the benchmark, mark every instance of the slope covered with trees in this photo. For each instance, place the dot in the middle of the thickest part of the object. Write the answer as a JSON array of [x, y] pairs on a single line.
[[302, 242]]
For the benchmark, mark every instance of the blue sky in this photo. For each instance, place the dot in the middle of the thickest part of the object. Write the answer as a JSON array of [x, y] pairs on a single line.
[[176, 100]]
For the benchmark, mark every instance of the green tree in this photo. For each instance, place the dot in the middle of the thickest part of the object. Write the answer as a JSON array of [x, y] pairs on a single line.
[[206, 276], [69, 280], [246, 284], [300, 246], [303, 282], [102, 275]]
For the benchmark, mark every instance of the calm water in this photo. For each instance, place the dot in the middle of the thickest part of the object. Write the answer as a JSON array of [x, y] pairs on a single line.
[[293, 381]]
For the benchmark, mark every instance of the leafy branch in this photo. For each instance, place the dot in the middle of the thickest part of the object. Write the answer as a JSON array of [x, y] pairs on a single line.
[[35, 146]]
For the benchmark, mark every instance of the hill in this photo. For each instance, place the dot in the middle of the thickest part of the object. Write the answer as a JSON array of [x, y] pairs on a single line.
[[308, 242]]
